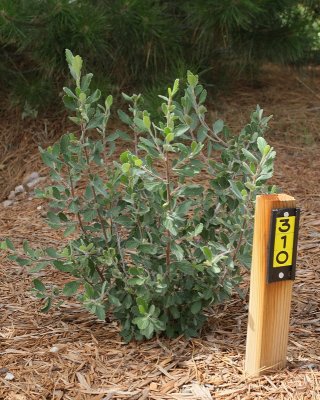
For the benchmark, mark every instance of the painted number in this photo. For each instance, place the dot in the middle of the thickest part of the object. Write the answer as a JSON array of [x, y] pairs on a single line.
[[283, 242]]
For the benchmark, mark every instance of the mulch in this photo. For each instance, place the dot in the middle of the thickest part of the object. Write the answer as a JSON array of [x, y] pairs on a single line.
[[68, 354]]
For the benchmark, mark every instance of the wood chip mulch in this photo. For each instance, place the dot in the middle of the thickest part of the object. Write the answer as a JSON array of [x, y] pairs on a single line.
[[67, 354]]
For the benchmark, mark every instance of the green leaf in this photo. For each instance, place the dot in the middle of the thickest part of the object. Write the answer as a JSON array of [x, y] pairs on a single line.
[[100, 312], [202, 134], [39, 266], [39, 285], [124, 157], [114, 300], [109, 101], [48, 159], [71, 288], [69, 56], [47, 305], [21, 261], [10, 244], [218, 126], [148, 331], [53, 218], [207, 253], [85, 82], [261, 143], [76, 120], [124, 221], [175, 87], [118, 134], [89, 215], [196, 307], [141, 322], [69, 93], [77, 66], [169, 137], [168, 224], [192, 190], [203, 96], [52, 252], [148, 248], [249, 155], [124, 117], [183, 208], [180, 130], [138, 162], [198, 230], [146, 121], [192, 79], [136, 281], [94, 97], [177, 251], [140, 124], [69, 230], [235, 190], [3, 245], [142, 305]]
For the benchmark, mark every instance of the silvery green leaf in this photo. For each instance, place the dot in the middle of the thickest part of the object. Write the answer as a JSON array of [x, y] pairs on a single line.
[[249, 155], [124, 117], [218, 126], [261, 143], [71, 288], [192, 79]]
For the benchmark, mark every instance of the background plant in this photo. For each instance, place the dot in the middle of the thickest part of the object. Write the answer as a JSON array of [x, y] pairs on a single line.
[[145, 42], [162, 233]]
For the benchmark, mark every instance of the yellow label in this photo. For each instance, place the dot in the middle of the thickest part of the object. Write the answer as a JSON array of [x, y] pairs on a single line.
[[283, 241]]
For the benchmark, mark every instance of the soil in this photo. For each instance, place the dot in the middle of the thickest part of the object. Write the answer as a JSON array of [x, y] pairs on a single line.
[[68, 354]]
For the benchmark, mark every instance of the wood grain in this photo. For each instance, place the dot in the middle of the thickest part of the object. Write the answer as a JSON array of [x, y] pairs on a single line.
[[269, 304]]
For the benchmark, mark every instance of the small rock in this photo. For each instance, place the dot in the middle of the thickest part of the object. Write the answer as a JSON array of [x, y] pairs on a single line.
[[12, 195], [33, 176], [54, 349], [35, 182], [7, 203], [4, 370], [19, 189], [39, 208], [9, 376], [153, 386]]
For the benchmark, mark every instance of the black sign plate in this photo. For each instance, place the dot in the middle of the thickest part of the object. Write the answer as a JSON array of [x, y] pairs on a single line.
[[283, 244]]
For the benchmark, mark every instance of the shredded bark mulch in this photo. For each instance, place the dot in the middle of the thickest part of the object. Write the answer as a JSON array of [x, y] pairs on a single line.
[[68, 354]]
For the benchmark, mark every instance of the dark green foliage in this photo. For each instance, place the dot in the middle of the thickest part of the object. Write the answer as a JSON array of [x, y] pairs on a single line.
[[152, 242], [146, 42]]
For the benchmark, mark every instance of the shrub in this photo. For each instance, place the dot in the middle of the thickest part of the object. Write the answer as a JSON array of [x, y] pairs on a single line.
[[161, 233]]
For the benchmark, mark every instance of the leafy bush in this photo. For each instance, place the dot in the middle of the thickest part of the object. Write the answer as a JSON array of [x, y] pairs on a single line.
[[160, 234]]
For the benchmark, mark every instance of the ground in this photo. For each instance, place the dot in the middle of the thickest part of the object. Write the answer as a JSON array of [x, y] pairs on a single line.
[[68, 354]]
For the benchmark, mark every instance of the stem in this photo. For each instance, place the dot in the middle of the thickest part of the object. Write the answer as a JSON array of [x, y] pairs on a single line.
[[136, 150], [205, 125], [167, 165], [203, 157], [246, 215], [92, 187], [243, 227], [123, 265], [168, 248], [73, 195], [152, 174]]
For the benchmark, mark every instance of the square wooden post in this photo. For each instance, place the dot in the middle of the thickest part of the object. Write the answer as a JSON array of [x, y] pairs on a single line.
[[269, 304]]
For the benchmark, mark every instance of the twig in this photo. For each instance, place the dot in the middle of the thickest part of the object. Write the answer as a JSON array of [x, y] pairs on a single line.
[[308, 87]]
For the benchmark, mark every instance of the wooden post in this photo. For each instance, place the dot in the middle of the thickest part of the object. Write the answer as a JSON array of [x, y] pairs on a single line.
[[269, 304]]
